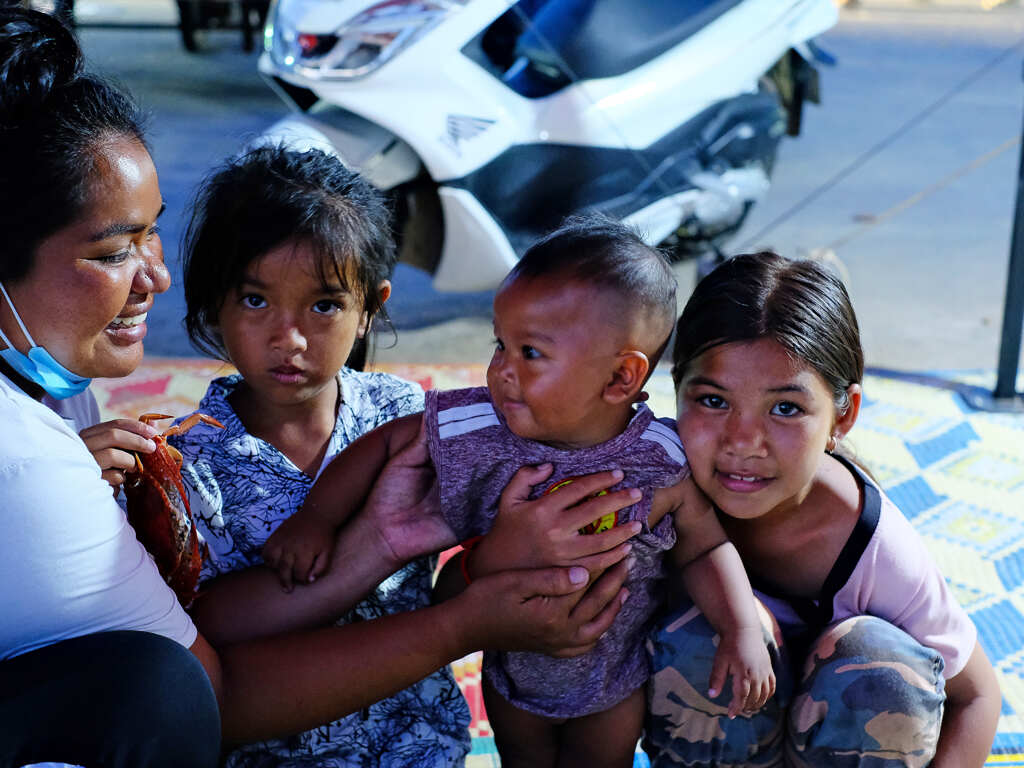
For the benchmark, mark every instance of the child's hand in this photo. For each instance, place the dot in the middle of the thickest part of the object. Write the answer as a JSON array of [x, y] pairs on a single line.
[[112, 444], [300, 549], [743, 655]]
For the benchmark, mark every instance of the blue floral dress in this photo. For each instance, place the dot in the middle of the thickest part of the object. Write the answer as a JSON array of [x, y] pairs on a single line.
[[240, 489]]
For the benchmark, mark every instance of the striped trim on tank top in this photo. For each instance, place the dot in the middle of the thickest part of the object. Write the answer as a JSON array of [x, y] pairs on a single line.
[[667, 438], [453, 422]]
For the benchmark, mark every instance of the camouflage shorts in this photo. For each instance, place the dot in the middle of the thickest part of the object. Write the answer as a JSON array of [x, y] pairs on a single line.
[[868, 695]]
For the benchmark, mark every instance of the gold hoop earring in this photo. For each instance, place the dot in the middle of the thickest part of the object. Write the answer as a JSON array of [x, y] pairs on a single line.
[[832, 444]]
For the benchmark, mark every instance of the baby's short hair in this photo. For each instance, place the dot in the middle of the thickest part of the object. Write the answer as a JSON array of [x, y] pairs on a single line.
[[597, 250]]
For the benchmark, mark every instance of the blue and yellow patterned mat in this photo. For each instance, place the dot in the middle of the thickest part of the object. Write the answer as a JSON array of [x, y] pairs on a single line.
[[957, 473]]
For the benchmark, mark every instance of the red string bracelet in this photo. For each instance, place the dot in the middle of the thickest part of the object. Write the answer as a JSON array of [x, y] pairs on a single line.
[[468, 546]]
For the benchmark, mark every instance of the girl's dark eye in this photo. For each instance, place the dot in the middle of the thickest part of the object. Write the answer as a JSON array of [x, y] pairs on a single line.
[[499, 344], [327, 306], [254, 301], [786, 408], [530, 353], [711, 401]]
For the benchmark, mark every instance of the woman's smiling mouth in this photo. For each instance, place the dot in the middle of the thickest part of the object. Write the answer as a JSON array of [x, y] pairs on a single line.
[[126, 321], [127, 329]]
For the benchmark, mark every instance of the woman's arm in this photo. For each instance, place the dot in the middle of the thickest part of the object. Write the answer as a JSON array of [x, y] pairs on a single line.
[[289, 683], [250, 603], [973, 702], [400, 521]]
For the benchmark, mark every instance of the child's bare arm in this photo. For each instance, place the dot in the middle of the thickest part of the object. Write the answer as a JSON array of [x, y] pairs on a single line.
[[697, 528], [301, 546], [717, 584], [971, 715], [716, 581]]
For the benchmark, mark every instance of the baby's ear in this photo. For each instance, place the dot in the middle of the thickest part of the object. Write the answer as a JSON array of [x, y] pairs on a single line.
[[631, 367]]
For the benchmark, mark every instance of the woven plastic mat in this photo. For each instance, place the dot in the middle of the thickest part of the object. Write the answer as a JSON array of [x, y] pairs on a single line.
[[957, 473]]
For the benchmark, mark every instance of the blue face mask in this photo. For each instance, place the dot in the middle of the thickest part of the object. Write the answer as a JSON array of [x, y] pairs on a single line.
[[38, 366]]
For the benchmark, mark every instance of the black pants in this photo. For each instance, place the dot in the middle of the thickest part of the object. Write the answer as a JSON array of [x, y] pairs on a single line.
[[130, 699]]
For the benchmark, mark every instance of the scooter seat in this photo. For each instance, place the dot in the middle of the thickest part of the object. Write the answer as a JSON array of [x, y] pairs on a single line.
[[605, 38]]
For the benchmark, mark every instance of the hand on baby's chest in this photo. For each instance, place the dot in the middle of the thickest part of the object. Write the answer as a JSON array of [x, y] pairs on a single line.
[[601, 524]]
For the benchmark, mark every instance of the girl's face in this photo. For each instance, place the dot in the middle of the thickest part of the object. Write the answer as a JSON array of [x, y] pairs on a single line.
[[755, 424], [92, 283], [288, 333]]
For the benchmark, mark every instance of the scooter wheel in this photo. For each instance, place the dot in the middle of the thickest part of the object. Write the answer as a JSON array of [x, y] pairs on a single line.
[[188, 23]]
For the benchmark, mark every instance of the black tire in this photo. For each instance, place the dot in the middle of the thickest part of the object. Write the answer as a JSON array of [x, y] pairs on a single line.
[[252, 35], [248, 7], [188, 22]]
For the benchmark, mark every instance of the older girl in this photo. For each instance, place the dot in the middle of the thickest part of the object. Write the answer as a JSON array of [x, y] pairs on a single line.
[[886, 666]]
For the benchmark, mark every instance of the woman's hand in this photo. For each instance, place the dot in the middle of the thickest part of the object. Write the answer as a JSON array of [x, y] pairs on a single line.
[[546, 531], [405, 506], [112, 444], [544, 611]]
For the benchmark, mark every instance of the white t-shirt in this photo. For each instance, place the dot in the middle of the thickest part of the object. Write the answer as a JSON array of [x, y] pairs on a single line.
[[72, 565]]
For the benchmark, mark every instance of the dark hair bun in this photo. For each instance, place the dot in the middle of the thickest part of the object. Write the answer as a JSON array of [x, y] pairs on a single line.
[[38, 55]]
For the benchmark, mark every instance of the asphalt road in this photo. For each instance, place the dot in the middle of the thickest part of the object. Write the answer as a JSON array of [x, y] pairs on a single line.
[[906, 175]]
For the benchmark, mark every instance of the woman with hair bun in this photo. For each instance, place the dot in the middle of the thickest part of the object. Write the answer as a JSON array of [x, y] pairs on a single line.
[[99, 664]]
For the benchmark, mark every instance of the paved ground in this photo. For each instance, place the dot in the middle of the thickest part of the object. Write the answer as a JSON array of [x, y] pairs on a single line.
[[907, 172], [921, 228], [165, 11]]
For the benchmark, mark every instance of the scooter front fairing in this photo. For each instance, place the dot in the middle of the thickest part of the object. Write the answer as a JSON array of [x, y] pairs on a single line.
[[669, 131]]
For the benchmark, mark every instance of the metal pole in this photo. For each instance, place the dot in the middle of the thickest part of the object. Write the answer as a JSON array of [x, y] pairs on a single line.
[[1013, 307]]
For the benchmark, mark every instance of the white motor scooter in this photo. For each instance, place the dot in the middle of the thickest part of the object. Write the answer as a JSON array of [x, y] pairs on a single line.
[[488, 121]]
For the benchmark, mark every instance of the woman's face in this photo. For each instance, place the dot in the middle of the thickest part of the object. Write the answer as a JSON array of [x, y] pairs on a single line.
[[91, 284], [754, 423]]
